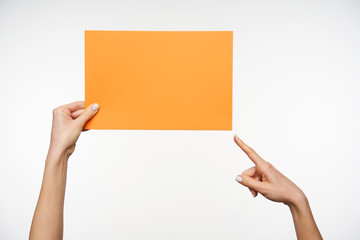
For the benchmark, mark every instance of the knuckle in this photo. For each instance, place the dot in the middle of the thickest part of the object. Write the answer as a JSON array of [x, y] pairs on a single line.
[[55, 111], [267, 166]]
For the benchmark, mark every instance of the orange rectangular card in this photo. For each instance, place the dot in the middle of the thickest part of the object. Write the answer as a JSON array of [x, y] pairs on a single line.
[[159, 80]]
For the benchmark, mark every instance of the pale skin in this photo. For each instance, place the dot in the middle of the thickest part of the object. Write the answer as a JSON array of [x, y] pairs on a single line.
[[264, 178], [68, 123]]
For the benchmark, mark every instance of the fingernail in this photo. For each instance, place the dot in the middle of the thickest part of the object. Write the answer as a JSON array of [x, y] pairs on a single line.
[[239, 179], [253, 195], [95, 107], [237, 136]]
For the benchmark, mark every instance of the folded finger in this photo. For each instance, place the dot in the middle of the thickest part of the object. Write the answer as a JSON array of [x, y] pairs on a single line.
[[253, 192], [77, 113], [74, 106], [257, 177], [250, 172]]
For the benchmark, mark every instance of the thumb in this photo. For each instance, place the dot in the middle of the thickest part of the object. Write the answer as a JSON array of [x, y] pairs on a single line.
[[250, 182], [89, 112]]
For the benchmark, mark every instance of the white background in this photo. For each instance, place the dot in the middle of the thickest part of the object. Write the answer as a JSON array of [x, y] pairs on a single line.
[[296, 101]]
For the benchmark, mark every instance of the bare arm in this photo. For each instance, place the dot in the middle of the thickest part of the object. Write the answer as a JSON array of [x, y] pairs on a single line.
[[304, 222], [272, 184], [68, 122]]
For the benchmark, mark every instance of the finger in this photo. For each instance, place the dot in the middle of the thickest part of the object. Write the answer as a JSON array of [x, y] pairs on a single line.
[[249, 151], [250, 172], [256, 178], [89, 112], [75, 106], [253, 192], [77, 113], [250, 183]]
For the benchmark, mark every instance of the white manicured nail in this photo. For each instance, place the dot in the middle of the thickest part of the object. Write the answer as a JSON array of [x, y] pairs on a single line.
[[253, 195], [95, 107], [239, 179], [237, 136]]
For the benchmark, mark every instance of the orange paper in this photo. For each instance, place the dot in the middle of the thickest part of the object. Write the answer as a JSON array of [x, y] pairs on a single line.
[[159, 80]]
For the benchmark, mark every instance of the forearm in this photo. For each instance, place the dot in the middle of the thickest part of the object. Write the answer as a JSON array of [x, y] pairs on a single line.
[[304, 222], [48, 217]]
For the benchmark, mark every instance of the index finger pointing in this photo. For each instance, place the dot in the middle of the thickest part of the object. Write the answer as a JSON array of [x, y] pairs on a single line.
[[249, 151]]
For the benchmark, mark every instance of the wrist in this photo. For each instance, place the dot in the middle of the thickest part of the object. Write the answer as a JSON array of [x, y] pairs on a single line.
[[299, 201], [57, 154], [56, 163]]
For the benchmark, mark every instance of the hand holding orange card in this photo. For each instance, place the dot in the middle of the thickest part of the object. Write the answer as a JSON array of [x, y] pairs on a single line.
[[159, 80]]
